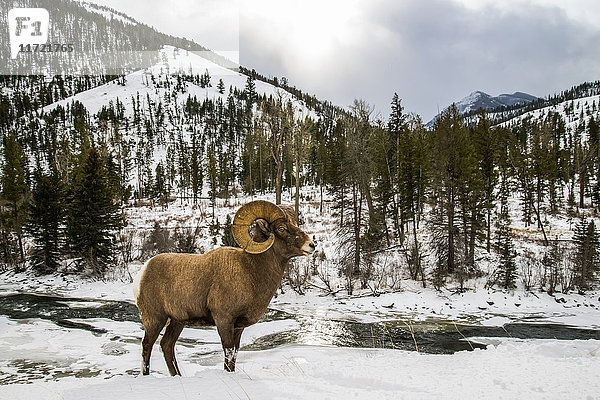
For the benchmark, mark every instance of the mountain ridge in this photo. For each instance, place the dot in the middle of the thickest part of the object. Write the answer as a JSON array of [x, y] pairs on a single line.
[[480, 100]]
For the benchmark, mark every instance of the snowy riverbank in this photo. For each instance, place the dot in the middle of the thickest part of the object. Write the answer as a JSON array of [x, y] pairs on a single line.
[[66, 362], [412, 302], [541, 369]]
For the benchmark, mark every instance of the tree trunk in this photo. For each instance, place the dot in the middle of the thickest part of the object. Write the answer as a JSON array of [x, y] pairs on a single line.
[[297, 182], [321, 202], [489, 230], [581, 190], [450, 212], [278, 182], [357, 209]]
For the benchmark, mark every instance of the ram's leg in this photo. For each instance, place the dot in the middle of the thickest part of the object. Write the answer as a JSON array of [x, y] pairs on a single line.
[[237, 338], [167, 343], [152, 330], [227, 334], [237, 335]]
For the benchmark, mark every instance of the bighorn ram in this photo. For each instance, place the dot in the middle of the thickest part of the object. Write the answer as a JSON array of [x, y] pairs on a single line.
[[228, 287]]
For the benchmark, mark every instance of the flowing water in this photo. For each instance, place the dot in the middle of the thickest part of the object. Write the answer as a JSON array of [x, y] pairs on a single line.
[[435, 336]]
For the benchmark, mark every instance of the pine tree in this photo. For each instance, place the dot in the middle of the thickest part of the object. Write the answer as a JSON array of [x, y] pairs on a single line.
[[161, 190], [213, 173], [450, 137], [413, 180], [195, 167], [507, 268], [486, 143], [45, 223], [227, 237], [250, 92], [92, 215], [15, 196], [221, 86], [586, 256]]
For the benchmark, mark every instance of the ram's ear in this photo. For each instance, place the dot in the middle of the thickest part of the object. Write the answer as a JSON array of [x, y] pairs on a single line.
[[260, 230]]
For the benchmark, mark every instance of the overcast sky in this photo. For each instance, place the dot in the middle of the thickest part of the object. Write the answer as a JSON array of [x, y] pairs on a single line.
[[431, 52]]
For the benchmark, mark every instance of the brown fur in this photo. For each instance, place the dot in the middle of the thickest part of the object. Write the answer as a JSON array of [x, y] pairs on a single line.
[[226, 287]]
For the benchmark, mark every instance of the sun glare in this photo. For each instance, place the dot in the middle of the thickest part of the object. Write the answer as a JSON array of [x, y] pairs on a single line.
[[312, 28]]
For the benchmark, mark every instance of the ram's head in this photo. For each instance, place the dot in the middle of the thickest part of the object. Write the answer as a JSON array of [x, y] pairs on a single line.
[[261, 225]]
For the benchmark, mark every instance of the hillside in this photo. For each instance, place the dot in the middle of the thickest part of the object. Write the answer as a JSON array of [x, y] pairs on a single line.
[[477, 100], [468, 203], [105, 42], [567, 103]]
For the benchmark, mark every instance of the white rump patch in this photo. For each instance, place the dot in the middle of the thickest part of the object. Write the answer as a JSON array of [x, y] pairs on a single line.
[[137, 281]]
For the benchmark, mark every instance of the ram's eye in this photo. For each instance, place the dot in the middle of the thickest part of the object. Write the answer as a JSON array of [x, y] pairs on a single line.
[[281, 228]]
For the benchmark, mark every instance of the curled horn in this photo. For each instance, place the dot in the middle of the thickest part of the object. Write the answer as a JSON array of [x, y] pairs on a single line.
[[245, 216]]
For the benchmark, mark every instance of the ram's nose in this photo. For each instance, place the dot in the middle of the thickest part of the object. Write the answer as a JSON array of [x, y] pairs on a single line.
[[309, 247]]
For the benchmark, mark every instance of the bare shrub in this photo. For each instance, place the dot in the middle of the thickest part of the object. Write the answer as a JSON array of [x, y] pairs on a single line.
[[386, 275], [297, 275], [531, 269], [322, 269], [184, 240], [158, 241], [126, 247]]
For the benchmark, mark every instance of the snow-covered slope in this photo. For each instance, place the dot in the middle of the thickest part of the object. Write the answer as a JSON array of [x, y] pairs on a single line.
[[165, 88], [173, 61], [109, 13], [575, 112]]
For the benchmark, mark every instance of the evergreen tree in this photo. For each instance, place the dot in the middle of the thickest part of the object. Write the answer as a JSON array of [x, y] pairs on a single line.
[[213, 173], [195, 166], [450, 137], [45, 223], [15, 197], [92, 215], [586, 257], [250, 92], [221, 86], [507, 268], [161, 190], [413, 180], [486, 143], [227, 237]]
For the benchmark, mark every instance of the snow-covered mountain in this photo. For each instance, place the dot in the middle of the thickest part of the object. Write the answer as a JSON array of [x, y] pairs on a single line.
[[104, 41], [151, 83], [478, 99], [575, 112]]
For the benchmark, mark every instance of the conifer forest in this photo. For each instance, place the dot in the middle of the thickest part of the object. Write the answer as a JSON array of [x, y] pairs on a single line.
[[404, 201]]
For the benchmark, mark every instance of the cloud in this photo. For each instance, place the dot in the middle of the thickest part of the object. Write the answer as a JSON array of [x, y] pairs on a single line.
[[431, 53]]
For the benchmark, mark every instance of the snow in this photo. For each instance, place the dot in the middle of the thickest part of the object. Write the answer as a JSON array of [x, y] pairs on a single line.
[[69, 363], [572, 119], [173, 61], [108, 14], [510, 369]]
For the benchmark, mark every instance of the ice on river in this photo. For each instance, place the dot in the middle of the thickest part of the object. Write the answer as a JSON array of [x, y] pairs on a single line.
[[66, 363], [45, 360], [80, 363]]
